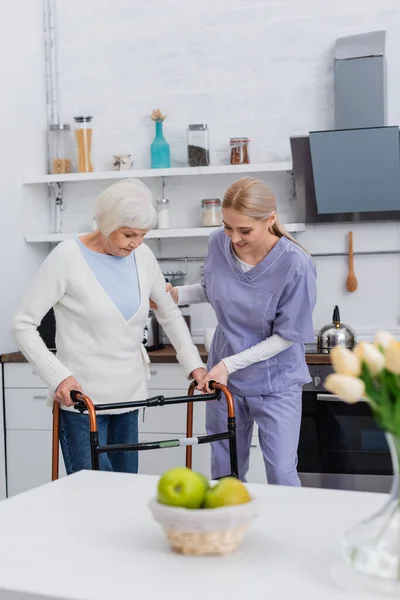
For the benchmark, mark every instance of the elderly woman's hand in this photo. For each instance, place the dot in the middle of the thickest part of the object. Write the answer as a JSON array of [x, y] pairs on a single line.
[[168, 288], [63, 392]]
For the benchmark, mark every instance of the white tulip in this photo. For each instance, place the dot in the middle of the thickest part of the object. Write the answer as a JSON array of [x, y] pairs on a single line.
[[344, 361], [383, 339], [350, 389], [371, 356], [392, 355]]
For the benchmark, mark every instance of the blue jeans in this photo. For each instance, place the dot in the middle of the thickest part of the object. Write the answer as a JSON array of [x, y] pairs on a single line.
[[112, 429]]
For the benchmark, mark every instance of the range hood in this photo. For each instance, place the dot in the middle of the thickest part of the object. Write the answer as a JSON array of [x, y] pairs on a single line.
[[352, 173]]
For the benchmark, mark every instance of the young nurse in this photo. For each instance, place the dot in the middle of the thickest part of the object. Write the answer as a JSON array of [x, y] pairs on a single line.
[[262, 287]]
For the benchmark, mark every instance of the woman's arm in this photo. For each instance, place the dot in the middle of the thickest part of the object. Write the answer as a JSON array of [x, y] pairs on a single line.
[[190, 294], [263, 351], [172, 321], [47, 288]]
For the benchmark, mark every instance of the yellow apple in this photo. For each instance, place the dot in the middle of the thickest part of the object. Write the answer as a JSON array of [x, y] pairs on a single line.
[[229, 491]]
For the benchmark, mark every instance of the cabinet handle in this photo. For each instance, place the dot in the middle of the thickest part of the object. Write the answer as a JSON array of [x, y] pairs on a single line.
[[253, 446], [153, 372], [317, 381], [40, 397]]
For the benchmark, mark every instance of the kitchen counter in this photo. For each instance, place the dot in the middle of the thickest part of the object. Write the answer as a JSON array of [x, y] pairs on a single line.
[[117, 550], [168, 355]]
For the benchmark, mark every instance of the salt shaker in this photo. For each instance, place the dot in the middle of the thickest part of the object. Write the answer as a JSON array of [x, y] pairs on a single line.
[[163, 213]]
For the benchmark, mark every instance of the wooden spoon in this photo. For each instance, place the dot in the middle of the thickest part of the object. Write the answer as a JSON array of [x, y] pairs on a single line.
[[352, 283]]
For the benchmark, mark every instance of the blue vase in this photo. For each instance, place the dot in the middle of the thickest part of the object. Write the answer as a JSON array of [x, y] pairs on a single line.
[[159, 149]]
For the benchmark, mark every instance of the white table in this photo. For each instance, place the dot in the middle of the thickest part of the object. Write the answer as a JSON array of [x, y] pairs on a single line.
[[91, 536]]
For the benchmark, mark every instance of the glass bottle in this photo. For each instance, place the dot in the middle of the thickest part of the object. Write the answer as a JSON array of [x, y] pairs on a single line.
[[240, 151], [60, 148], [211, 212], [198, 146], [159, 150], [83, 137], [163, 213]]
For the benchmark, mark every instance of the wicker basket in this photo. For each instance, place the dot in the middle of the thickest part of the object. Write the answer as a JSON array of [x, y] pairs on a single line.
[[205, 531]]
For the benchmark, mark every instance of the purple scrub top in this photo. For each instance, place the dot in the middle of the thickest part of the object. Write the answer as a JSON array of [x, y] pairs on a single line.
[[277, 296]]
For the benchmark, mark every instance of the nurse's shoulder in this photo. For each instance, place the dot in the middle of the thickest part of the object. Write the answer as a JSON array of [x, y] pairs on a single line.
[[295, 260]]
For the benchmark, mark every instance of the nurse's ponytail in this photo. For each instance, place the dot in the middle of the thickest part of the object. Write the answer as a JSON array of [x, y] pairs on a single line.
[[251, 197]]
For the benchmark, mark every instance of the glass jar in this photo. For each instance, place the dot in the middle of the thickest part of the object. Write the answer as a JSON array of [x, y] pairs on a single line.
[[198, 146], [163, 213], [60, 148], [240, 151], [83, 137], [211, 212]]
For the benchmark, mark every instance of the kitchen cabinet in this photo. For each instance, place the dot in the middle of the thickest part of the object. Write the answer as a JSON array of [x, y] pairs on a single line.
[[2, 444], [28, 425]]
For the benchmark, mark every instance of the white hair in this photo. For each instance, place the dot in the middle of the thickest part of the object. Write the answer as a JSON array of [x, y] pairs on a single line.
[[127, 203]]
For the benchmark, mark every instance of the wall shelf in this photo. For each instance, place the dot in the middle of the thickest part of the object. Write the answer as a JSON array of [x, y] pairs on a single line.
[[196, 232], [173, 172]]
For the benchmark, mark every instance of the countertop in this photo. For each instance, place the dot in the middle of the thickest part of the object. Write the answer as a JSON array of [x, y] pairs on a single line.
[[114, 548], [168, 355]]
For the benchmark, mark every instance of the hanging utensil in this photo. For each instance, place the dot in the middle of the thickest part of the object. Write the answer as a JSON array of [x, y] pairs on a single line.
[[352, 283]]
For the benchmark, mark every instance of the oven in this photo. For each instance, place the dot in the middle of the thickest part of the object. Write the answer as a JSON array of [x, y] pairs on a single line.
[[340, 444]]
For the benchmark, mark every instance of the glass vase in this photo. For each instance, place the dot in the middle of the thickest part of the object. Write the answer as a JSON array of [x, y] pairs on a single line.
[[372, 546], [159, 150]]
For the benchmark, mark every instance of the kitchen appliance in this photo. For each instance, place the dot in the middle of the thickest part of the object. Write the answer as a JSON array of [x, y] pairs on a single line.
[[152, 337], [335, 334], [340, 446]]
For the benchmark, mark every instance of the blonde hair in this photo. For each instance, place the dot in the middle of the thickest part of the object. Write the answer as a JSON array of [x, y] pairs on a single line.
[[127, 203], [252, 198]]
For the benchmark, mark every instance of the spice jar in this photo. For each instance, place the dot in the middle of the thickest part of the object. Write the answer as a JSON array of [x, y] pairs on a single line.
[[211, 212], [198, 146], [60, 148], [240, 151], [83, 136], [163, 213]]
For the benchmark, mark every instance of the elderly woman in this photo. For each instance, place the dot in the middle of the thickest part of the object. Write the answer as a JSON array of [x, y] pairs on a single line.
[[99, 286]]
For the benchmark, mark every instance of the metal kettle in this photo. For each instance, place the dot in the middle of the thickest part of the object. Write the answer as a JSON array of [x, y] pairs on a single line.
[[152, 335], [335, 334]]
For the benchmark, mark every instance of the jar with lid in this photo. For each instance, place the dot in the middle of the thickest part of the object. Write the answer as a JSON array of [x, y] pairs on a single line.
[[240, 151], [60, 147], [163, 213], [198, 145], [211, 212], [83, 137]]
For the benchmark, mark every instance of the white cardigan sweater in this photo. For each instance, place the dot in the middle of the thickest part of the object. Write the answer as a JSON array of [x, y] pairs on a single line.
[[95, 344]]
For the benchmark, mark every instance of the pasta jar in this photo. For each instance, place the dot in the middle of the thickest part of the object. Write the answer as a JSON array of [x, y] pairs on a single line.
[[211, 212], [198, 146], [240, 151], [83, 137], [60, 148]]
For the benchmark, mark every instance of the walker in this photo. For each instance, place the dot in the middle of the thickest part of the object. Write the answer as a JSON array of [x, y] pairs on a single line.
[[83, 404]]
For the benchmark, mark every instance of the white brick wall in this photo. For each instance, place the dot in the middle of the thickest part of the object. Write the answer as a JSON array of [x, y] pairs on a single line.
[[246, 67]]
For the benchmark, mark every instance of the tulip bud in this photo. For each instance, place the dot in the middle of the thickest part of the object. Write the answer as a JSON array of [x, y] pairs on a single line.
[[344, 361], [350, 389], [383, 339], [371, 356], [392, 355]]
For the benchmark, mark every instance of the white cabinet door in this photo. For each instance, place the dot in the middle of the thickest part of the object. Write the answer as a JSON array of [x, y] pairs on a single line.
[[27, 409], [2, 442], [21, 375], [29, 460]]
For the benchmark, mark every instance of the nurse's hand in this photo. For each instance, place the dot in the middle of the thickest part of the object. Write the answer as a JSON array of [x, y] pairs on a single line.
[[62, 393], [218, 373], [168, 288]]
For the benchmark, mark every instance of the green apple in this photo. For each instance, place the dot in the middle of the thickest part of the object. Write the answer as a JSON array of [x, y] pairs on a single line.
[[229, 491], [182, 487]]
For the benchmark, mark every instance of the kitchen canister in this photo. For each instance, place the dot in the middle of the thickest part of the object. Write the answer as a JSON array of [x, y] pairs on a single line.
[[211, 212], [163, 213]]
